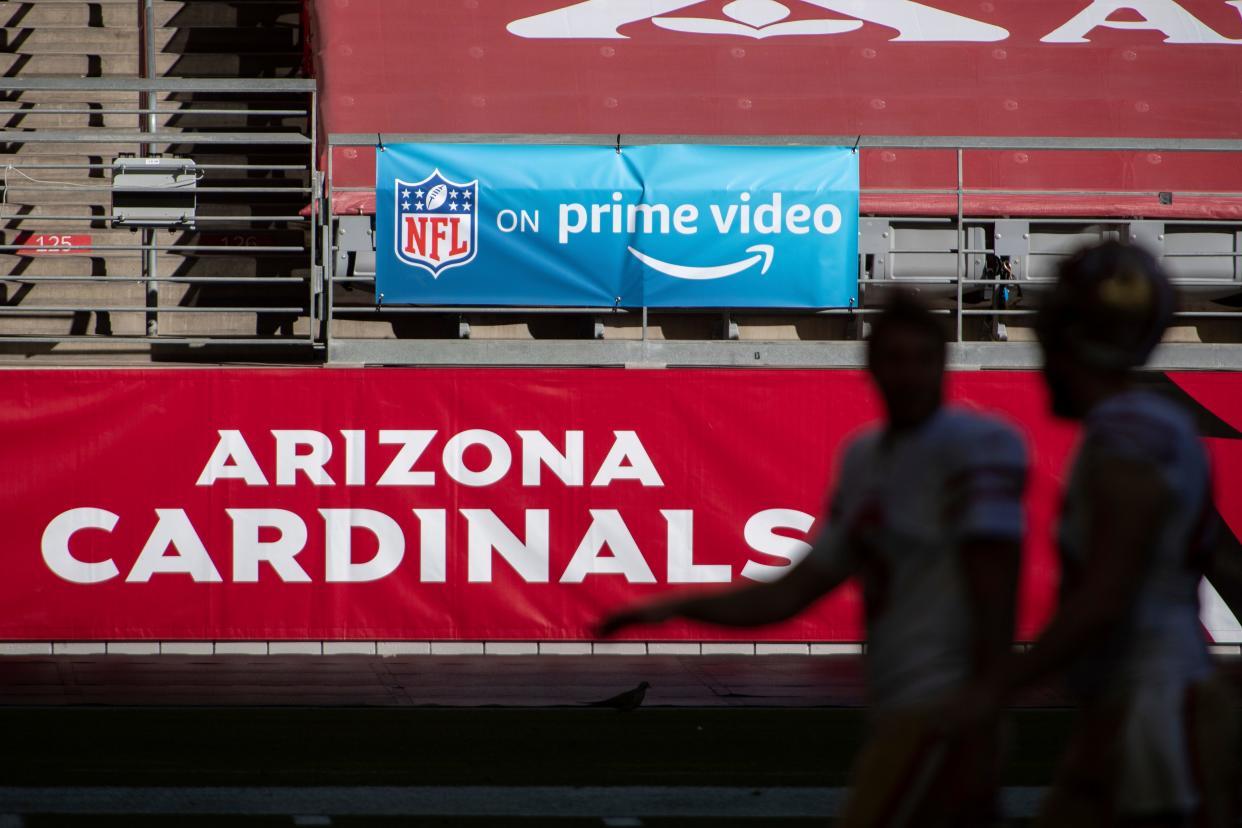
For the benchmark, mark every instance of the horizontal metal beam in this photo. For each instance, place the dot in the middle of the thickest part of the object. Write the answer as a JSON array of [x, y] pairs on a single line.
[[22, 310], [659, 353], [47, 110], [84, 249], [241, 85], [112, 279], [917, 191], [36, 165], [70, 339], [607, 311], [227, 219], [1227, 314], [1051, 143], [71, 186], [107, 136]]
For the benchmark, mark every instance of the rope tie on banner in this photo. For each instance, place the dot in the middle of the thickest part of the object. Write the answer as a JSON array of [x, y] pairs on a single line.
[[857, 141], [618, 143]]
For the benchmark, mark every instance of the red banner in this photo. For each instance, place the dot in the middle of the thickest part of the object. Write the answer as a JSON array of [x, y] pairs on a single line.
[[453, 504]]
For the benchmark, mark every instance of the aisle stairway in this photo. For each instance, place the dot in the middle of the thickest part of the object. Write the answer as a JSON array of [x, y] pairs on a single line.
[[193, 39]]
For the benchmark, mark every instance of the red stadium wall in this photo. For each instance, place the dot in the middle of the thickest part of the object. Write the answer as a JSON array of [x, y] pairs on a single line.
[[131, 517], [1105, 69]]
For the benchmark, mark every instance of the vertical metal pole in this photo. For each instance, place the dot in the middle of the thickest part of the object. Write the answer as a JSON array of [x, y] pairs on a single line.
[[316, 202], [329, 256], [150, 272], [961, 245], [146, 123], [146, 60]]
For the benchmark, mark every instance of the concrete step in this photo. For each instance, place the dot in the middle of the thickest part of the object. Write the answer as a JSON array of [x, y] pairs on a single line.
[[82, 309], [93, 352], [38, 267], [128, 265], [205, 15], [246, 40], [22, 193], [62, 177], [72, 323], [124, 14], [126, 293], [42, 214], [193, 143], [236, 116], [233, 324], [71, 41], [70, 294], [14, 150], [36, 218], [206, 38], [267, 65], [170, 100], [234, 239], [207, 266], [516, 326], [347, 328], [262, 64], [75, 65], [32, 116], [96, 199], [213, 201]]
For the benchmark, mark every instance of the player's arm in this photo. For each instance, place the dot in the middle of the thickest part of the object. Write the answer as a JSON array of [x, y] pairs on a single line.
[[821, 571], [1128, 502]]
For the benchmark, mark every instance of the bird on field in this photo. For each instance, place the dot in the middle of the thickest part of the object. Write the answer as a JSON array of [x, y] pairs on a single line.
[[625, 702]]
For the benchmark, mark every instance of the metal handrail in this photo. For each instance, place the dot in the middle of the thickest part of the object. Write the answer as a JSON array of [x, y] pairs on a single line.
[[143, 111], [104, 135], [113, 217], [961, 146], [954, 142], [246, 86], [148, 137]]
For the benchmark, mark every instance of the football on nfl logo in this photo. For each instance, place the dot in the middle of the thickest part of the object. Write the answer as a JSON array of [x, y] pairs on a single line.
[[437, 222]]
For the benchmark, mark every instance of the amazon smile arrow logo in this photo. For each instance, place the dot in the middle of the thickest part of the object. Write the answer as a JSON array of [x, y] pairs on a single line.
[[763, 253]]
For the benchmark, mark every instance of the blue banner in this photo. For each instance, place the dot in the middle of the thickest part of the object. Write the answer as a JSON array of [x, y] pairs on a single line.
[[659, 225]]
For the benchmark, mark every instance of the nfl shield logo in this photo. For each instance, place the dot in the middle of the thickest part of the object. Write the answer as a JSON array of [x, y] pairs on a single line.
[[437, 222]]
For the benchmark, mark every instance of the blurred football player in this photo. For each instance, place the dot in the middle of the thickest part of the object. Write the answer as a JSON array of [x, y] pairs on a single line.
[[927, 513], [1154, 738]]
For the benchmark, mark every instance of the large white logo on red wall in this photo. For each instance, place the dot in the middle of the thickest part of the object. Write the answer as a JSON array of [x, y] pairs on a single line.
[[914, 21]]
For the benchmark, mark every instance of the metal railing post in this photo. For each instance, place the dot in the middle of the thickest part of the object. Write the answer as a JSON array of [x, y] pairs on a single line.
[[969, 265], [213, 234], [329, 254], [315, 278], [961, 245], [147, 124]]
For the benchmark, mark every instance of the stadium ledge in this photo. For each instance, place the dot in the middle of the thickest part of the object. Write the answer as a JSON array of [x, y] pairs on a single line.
[[437, 648]]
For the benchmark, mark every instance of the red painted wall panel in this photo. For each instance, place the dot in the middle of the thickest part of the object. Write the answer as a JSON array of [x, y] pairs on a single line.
[[401, 66], [725, 445]]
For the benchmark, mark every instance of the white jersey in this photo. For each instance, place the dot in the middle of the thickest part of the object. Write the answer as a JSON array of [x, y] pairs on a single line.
[[903, 505], [1161, 639]]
